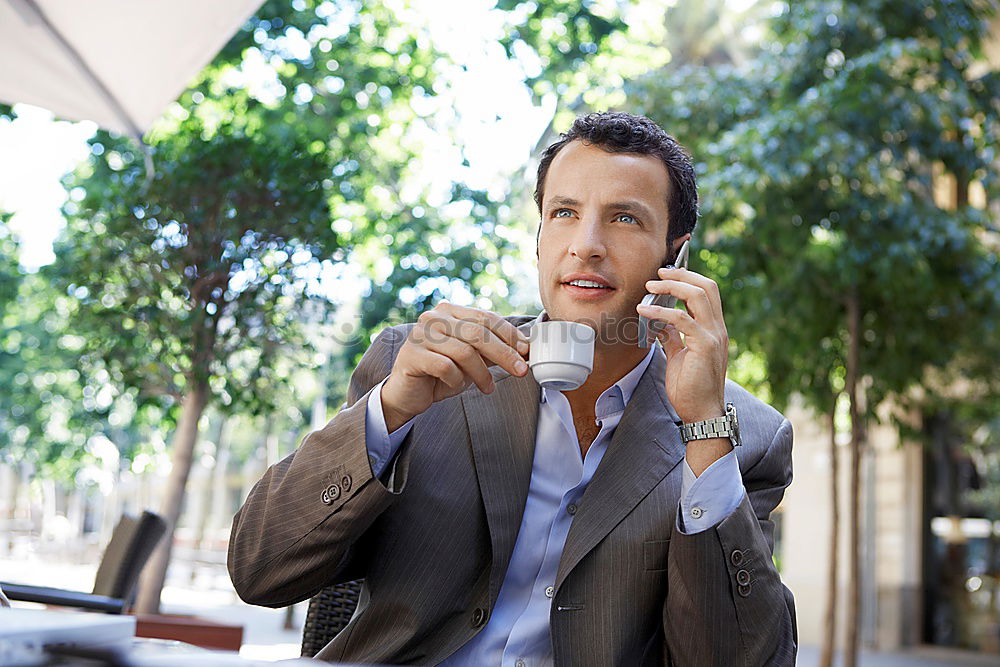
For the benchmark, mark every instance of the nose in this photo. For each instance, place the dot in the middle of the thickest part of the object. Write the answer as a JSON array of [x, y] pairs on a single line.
[[588, 240]]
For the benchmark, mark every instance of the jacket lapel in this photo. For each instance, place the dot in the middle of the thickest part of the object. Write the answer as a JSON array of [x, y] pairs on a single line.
[[645, 447], [502, 433]]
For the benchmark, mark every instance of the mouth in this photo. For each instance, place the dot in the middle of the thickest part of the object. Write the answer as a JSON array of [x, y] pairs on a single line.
[[587, 286]]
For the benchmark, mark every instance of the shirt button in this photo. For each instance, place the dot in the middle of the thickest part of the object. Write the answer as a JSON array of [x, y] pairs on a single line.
[[571, 510], [696, 512], [519, 663], [550, 591]]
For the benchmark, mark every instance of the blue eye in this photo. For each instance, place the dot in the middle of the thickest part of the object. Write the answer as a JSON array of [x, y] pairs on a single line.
[[559, 213], [625, 217]]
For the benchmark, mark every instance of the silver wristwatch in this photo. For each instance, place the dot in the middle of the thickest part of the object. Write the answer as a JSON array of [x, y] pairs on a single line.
[[718, 427]]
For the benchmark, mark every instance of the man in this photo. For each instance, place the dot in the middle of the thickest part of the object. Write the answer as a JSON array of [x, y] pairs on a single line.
[[496, 522]]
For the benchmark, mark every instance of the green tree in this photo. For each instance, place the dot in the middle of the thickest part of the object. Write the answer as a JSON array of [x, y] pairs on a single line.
[[187, 288], [190, 286], [58, 405], [367, 87], [840, 266]]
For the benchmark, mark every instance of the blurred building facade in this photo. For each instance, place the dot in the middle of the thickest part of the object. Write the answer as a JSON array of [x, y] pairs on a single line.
[[930, 559]]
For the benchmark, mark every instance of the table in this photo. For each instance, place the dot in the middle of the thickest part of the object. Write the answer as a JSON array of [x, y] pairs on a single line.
[[43, 637]]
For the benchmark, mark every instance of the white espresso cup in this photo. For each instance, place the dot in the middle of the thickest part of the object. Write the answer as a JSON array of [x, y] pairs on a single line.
[[561, 356]]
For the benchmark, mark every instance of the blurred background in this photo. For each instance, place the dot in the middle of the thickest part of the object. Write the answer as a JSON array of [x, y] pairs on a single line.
[[179, 311]]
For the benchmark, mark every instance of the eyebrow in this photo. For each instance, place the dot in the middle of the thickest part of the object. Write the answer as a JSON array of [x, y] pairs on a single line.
[[563, 201]]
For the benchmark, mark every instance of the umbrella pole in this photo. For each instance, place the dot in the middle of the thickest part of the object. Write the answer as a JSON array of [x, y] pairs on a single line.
[[147, 157]]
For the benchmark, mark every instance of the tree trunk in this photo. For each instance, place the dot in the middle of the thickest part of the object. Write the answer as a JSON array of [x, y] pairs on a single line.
[[203, 526], [155, 574], [217, 513], [991, 557], [50, 502], [14, 474], [830, 626], [854, 599], [271, 443], [289, 623]]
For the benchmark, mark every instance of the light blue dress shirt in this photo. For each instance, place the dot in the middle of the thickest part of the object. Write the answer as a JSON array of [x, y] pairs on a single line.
[[517, 633]]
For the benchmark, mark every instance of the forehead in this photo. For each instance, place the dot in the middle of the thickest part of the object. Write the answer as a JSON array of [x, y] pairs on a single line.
[[581, 168]]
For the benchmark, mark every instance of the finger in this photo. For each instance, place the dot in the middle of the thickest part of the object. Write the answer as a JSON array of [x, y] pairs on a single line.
[[500, 327], [670, 339], [439, 366], [694, 297], [489, 346], [469, 361], [710, 286], [695, 335]]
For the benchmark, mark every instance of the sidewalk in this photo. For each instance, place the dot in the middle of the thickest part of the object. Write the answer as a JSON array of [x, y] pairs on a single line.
[[925, 656]]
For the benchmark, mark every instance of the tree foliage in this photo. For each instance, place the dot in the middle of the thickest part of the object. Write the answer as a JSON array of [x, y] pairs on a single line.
[[563, 37], [193, 279], [820, 165], [297, 150], [10, 274]]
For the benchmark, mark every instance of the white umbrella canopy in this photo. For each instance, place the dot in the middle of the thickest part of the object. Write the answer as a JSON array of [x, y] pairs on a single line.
[[118, 63]]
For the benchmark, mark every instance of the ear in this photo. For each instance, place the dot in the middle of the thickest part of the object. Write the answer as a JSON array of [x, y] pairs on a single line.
[[678, 242]]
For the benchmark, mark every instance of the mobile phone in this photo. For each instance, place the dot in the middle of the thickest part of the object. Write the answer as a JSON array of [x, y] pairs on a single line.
[[649, 328]]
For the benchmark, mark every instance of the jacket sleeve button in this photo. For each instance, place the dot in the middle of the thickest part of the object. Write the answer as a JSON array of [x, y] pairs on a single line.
[[743, 578], [744, 591], [346, 482], [478, 617], [736, 558]]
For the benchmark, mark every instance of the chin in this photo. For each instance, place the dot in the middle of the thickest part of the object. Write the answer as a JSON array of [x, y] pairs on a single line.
[[593, 313]]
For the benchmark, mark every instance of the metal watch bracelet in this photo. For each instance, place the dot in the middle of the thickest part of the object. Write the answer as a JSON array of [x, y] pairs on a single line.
[[725, 426]]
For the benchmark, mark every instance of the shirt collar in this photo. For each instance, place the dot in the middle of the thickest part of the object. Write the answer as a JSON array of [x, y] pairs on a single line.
[[630, 380]]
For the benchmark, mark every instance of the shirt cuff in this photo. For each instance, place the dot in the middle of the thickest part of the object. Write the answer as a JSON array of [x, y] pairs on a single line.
[[709, 499], [382, 446]]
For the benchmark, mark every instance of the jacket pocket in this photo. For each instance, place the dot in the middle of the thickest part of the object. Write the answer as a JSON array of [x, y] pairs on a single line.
[[654, 554]]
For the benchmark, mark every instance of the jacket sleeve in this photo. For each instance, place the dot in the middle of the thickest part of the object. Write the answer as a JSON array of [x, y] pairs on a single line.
[[302, 522], [725, 603]]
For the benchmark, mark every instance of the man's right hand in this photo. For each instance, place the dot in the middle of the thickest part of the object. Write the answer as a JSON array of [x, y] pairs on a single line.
[[449, 348]]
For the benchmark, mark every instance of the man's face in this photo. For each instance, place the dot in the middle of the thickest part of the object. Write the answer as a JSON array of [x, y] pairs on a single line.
[[604, 220]]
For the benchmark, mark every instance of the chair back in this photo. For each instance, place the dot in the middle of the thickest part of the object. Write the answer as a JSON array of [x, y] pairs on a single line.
[[329, 612], [132, 542]]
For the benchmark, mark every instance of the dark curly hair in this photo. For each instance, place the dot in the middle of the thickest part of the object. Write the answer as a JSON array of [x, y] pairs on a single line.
[[620, 132]]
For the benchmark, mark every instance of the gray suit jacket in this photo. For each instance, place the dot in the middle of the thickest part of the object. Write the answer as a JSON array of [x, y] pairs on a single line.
[[433, 544]]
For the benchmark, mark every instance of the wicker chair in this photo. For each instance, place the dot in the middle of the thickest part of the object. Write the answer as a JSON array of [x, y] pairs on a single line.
[[329, 612]]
